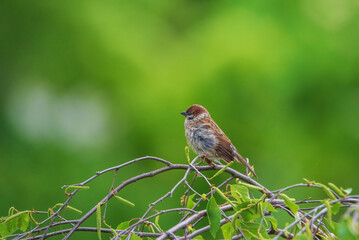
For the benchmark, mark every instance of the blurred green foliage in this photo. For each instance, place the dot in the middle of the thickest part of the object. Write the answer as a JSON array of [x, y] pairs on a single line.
[[86, 85]]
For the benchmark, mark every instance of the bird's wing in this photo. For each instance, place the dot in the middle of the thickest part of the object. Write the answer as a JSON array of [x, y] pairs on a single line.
[[212, 126], [224, 148]]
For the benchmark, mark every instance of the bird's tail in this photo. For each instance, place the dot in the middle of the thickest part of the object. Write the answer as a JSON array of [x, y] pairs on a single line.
[[240, 159]]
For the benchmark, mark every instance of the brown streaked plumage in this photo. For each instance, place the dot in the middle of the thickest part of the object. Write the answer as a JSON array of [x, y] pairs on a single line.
[[207, 139]]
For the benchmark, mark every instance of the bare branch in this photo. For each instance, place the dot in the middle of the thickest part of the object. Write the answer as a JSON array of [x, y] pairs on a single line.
[[191, 216]]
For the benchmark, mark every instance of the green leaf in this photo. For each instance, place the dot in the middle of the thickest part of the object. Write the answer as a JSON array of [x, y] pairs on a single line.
[[250, 214], [8, 228], [75, 187], [157, 219], [135, 237], [268, 207], [98, 220], [344, 230], [337, 190], [327, 191], [186, 150], [250, 186], [273, 221], [248, 210], [198, 237], [214, 216], [234, 219], [14, 222], [224, 196], [67, 207], [297, 218], [336, 207], [23, 222], [190, 202], [240, 191], [330, 228], [308, 232], [251, 229], [227, 231], [14, 216], [113, 230], [329, 213], [73, 209], [151, 228], [259, 209], [292, 206], [221, 170], [33, 219], [123, 225], [125, 201], [348, 190]]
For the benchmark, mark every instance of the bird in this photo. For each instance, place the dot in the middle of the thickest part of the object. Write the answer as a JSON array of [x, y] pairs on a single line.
[[207, 139]]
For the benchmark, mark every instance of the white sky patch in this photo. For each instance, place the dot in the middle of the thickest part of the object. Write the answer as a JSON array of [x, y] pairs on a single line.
[[77, 119], [330, 14]]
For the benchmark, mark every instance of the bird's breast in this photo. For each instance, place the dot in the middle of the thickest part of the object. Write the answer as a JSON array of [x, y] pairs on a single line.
[[202, 140]]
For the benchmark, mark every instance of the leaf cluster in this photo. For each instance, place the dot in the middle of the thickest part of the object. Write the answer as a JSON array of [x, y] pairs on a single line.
[[237, 207]]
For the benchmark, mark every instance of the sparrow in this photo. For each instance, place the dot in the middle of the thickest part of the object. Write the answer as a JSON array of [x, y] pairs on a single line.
[[207, 139]]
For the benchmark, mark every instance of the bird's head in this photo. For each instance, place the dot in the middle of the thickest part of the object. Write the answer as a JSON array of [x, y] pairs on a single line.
[[195, 111]]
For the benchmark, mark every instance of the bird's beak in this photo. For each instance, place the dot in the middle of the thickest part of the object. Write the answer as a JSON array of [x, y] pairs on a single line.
[[184, 113]]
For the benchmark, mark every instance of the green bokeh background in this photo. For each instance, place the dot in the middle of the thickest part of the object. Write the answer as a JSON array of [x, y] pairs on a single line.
[[86, 85]]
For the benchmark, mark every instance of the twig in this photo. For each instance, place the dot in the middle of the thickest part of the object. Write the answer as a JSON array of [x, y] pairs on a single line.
[[92, 229], [188, 221], [313, 215], [111, 188]]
